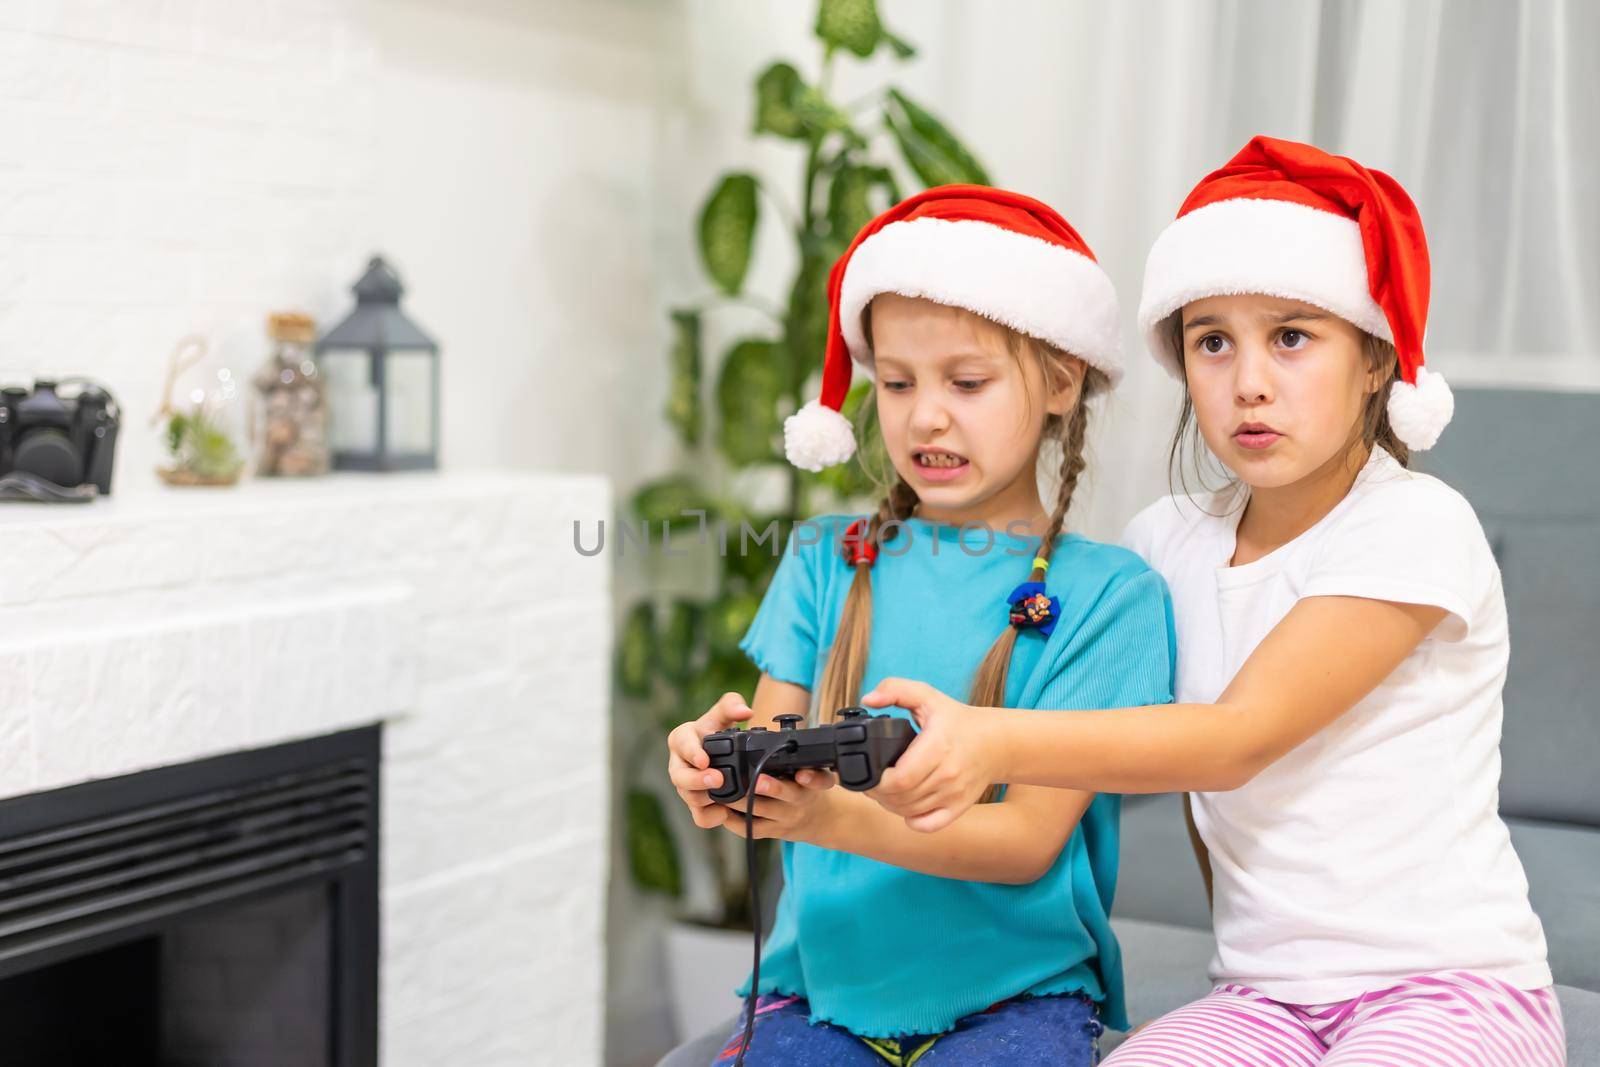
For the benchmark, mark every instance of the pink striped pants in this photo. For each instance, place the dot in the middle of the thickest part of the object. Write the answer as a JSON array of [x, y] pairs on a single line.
[[1450, 1020]]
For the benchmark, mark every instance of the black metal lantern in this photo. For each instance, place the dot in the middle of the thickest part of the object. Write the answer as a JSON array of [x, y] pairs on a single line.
[[382, 376]]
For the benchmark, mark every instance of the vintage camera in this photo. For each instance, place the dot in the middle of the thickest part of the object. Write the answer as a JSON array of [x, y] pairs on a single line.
[[64, 432]]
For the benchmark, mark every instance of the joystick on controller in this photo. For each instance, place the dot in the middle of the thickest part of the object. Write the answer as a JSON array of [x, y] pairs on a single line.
[[858, 747]]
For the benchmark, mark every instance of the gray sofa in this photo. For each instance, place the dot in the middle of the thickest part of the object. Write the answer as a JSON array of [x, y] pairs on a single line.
[[1530, 463]]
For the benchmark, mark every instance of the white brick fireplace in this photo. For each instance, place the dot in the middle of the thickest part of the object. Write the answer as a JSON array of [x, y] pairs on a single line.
[[165, 626]]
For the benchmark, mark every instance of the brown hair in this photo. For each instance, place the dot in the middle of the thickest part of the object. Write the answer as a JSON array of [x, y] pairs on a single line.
[[847, 660], [1372, 429]]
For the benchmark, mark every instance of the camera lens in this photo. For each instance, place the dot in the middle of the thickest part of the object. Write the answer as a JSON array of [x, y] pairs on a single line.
[[49, 454]]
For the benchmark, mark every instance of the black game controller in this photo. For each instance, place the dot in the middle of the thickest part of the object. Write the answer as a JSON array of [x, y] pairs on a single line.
[[858, 747]]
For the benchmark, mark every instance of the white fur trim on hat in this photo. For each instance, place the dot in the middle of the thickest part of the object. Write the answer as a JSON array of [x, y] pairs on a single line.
[[1272, 247], [816, 437], [1041, 289], [1419, 413]]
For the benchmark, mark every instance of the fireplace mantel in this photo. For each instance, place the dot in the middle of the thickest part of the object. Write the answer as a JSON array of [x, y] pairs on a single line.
[[164, 626]]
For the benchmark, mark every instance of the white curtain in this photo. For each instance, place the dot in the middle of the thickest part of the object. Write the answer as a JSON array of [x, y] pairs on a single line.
[[1488, 111]]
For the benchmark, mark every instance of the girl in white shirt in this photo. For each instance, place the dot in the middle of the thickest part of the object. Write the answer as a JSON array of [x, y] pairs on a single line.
[[1342, 649]]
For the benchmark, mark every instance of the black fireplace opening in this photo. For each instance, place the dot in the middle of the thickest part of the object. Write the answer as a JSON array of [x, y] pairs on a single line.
[[221, 913]]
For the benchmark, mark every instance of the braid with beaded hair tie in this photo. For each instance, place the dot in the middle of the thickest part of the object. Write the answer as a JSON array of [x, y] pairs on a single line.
[[1031, 607], [1038, 609]]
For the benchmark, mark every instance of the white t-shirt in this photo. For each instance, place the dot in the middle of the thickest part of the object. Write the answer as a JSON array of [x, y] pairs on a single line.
[[1375, 849]]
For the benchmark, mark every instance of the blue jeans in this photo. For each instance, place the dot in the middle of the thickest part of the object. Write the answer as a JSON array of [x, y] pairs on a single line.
[[1055, 1031]]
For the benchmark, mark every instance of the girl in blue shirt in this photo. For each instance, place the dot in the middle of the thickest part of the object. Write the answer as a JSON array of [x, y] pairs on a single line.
[[986, 323]]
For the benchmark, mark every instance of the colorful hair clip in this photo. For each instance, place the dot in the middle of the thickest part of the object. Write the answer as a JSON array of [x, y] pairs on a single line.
[[1033, 609], [858, 547]]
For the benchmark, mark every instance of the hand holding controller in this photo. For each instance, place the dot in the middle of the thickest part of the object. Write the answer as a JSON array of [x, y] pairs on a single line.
[[858, 747]]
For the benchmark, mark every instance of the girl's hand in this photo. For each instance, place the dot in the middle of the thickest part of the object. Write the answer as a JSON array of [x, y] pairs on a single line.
[[950, 763], [798, 810], [687, 761]]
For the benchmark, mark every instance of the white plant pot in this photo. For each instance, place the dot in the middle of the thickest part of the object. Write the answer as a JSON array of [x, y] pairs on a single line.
[[705, 966]]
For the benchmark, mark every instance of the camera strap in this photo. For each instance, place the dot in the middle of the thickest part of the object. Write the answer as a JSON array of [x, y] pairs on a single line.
[[20, 485]]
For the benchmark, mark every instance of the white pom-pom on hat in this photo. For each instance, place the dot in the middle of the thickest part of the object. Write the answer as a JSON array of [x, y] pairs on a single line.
[[1419, 413], [817, 437]]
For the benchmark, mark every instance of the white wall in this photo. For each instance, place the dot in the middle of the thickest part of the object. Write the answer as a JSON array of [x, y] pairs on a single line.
[[518, 166], [185, 166], [173, 168]]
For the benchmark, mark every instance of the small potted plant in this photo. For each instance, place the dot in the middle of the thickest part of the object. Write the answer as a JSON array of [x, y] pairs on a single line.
[[197, 438]]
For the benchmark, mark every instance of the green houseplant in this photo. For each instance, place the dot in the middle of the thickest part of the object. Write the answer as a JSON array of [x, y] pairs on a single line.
[[676, 654]]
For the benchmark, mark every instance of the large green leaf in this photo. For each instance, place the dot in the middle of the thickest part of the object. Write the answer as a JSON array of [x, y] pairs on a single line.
[[787, 107], [667, 499], [778, 100], [727, 621], [679, 638], [851, 203], [777, 96], [754, 379], [929, 148], [728, 230], [652, 853], [636, 650], [683, 401], [850, 24], [822, 116]]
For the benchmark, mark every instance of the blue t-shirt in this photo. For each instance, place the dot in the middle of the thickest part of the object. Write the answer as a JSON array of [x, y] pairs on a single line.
[[883, 951]]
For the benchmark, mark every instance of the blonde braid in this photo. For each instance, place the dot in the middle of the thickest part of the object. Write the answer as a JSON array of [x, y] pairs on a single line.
[[847, 659]]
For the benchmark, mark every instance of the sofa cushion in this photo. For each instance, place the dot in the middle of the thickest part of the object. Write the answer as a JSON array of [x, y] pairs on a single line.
[[1563, 866], [1164, 966], [1580, 1010], [1159, 879], [1543, 521]]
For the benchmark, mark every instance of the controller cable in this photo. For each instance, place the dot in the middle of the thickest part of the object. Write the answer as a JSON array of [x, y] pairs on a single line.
[[755, 896]]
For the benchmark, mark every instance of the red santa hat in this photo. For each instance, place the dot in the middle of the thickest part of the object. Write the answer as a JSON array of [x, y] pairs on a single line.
[[997, 254], [1291, 220]]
